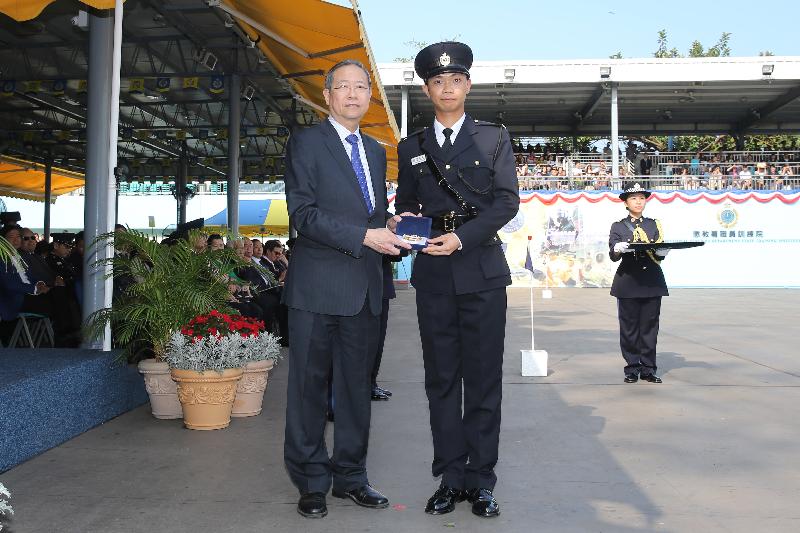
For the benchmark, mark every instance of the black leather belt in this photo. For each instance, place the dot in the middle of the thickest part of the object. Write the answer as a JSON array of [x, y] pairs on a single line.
[[449, 222]]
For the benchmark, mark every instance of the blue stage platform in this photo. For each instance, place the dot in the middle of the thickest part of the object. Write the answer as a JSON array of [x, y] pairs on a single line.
[[48, 396]]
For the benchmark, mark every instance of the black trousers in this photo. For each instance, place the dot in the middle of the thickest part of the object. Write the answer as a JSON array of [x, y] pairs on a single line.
[[638, 333], [462, 348], [384, 322], [347, 343]]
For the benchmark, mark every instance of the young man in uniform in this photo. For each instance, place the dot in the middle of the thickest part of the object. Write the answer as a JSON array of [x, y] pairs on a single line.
[[460, 172]]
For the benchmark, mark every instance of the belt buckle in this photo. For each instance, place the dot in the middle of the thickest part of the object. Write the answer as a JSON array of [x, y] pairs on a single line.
[[449, 222]]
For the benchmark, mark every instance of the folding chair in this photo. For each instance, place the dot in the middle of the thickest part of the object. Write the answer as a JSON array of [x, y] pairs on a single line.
[[32, 337]]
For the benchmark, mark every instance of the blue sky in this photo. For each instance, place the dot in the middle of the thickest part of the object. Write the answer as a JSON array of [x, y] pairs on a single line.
[[580, 29]]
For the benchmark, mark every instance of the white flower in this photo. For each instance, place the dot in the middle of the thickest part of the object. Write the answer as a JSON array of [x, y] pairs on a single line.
[[219, 353], [5, 507]]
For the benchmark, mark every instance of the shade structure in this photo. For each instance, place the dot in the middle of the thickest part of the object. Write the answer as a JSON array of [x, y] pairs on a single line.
[[268, 217], [25, 179], [27, 9], [303, 39]]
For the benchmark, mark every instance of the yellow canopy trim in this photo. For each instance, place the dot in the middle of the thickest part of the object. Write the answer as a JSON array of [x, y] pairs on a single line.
[[28, 9], [303, 40], [25, 179]]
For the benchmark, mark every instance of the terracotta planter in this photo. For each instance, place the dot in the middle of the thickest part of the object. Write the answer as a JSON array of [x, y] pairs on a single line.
[[206, 397], [162, 390], [250, 390]]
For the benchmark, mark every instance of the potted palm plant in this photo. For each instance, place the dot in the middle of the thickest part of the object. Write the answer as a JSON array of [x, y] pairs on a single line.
[[207, 358], [158, 289], [7, 252]]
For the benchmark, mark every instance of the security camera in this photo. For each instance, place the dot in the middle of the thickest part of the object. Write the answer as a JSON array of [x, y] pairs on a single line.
[[81, 20]]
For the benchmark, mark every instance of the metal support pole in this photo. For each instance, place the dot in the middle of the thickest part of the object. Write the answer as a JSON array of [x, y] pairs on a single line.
[[234, 125], [180, 185], [48, 196], [614, 133], [404, 111], [101, 145]]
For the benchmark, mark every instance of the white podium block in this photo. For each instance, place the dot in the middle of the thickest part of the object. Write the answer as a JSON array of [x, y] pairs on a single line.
[[534, 363]]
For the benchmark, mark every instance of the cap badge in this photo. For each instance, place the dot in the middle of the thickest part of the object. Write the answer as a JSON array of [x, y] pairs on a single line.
[[444, 60]]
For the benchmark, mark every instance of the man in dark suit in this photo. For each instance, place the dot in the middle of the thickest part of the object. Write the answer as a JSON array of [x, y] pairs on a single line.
[[461, 173], [334, 190], [16, 282]]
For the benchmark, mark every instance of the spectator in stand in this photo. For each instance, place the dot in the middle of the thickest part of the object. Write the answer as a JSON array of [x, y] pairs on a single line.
[[694, 169], [199, 242], [745, 178], [215, 242], [687, 181], [715, 180], [265, 287], [784, 179], [16, 282], [772, 178], [645, 165], [760, 176]]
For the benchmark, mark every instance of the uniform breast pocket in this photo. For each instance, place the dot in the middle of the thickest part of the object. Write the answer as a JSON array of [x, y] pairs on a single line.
[[477, 177], [425, 180]]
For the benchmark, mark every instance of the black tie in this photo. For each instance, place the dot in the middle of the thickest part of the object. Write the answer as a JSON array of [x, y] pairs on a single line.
[[447, 142]]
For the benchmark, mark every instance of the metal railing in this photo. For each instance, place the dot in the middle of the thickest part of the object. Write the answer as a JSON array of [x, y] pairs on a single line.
[[658, 183]]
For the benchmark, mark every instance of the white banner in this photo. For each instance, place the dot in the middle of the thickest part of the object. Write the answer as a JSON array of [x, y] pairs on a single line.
[[752, 239]]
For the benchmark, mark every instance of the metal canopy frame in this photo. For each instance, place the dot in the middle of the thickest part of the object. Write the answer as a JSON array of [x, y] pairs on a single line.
[[685, 96], [173, 39]]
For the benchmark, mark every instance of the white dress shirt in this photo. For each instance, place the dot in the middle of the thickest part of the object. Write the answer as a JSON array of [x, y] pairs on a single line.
[[438, 128], [343, 133]]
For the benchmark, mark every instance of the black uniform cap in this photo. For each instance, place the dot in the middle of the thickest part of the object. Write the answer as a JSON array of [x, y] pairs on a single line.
[[631, 190], [437, 58], [64, 238], [186, 227]]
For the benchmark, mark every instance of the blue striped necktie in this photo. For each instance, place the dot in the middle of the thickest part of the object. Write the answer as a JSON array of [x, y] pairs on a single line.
[[358, 168]]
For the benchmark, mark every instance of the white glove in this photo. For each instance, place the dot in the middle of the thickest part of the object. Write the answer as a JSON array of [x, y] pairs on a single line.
[[662, 252], [621, 248]]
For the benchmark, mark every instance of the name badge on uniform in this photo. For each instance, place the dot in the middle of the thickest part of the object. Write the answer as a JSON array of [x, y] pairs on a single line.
[[417, 160]]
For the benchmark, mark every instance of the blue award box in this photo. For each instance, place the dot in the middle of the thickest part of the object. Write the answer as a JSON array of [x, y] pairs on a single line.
[[415, 231]]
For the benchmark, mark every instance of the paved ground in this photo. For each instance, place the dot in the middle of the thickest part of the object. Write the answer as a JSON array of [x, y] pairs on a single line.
[[712, 449]]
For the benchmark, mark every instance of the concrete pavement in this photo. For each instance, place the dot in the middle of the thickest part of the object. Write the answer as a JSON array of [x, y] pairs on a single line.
[[714, 448]]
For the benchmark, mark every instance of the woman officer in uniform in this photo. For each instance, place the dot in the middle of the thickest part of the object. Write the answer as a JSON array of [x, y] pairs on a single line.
[[638, 285]]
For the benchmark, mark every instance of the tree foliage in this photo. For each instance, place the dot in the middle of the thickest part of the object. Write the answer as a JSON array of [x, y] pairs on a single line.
[[720, 49], [415, 46]]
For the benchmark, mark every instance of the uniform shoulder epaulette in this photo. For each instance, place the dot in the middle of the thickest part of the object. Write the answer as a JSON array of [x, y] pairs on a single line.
[[487, 123], [413, 134]]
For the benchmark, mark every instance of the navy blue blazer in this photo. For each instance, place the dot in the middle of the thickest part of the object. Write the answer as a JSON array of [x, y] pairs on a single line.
[[332, 271], [13, 290]]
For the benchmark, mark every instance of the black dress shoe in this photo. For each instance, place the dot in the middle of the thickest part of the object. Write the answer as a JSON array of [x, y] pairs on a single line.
[[384, 391], [365, 496], [483, 503], [312, 505], [378, 395], [444, 500], [652, 378], [631, 378]]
